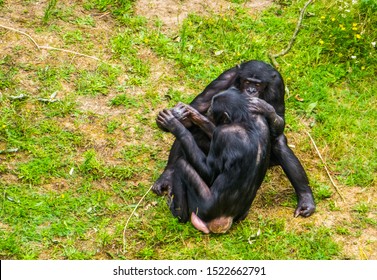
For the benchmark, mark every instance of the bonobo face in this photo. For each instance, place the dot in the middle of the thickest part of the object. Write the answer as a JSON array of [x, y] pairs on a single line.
[[252, 86]]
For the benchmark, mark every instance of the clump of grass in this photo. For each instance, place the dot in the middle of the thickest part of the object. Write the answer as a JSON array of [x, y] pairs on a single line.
[[323, 192], [76, 176], [98, 81], [49, 10]]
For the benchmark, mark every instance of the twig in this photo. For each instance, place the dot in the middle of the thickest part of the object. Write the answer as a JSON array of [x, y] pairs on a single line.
[[129, 218], [68, 51], [7, 151], [46, 47], [23, 33], [18, 97], [324, 164], [298, 26]]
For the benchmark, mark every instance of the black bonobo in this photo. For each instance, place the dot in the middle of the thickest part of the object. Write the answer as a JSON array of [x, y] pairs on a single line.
[[216, 190], [255, 79]]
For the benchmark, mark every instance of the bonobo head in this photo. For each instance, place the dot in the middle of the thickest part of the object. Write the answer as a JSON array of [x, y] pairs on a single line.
[[229, 106], [254, 78]]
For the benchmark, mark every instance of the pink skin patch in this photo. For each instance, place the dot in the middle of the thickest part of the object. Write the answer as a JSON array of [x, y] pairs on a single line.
[[198, 223]]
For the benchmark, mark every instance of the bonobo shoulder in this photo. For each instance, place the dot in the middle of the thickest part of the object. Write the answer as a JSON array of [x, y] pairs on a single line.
[[235, 132], [233, 129]]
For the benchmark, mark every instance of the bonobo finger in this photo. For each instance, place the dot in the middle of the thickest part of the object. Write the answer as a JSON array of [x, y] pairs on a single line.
[[192, 111], [177, 111], [254, 108], [180, 112], [161, 119], [304, 211], [166, 114], [184, 115]]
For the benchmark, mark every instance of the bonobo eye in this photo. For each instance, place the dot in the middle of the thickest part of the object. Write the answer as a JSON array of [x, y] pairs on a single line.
[[257, 84]]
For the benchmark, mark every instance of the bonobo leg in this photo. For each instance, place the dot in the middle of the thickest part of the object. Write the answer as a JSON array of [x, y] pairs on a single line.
[[165, 182], [178, 198], [190, 191], [185, 199], [292, 167]]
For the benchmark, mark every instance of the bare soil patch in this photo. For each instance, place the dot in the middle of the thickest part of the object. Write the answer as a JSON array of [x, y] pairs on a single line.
[[361, 243], [172, 12]]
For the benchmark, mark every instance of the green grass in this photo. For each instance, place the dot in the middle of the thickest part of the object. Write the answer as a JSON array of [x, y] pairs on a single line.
[[72, 171]]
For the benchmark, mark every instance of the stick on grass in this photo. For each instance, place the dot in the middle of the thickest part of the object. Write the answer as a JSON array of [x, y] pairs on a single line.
[[325, 165], [129, 218], [46, 47], [298, 26]]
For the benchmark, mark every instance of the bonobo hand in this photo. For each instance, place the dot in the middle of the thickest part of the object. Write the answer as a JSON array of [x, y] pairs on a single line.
[[180, 111], [259, 106], [166, 119], [189, 115], [306, 205], [192, 114], [164, 184]]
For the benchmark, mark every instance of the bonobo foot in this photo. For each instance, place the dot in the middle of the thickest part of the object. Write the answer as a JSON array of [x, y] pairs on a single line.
[[306, 205], [164, 183]]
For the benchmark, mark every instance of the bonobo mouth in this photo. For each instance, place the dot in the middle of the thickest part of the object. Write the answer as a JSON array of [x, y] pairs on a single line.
[[252, 92]]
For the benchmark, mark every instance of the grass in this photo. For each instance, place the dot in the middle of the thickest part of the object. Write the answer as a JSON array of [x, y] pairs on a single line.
[[72, 171]]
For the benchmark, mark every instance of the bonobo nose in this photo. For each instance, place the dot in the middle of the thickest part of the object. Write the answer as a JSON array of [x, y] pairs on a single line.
[[252, 92]]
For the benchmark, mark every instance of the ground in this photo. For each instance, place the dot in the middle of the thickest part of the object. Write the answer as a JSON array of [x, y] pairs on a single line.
[[98, 112]]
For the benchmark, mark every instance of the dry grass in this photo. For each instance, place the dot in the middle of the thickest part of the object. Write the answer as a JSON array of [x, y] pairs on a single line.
[[96, 112]]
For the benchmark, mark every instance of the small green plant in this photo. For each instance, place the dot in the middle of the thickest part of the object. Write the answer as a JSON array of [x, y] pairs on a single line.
[[73, 37], [70, 175], [368, 6], [112, 126], [49, 10], [126, 100], [361, 208], [86, 21], [342, 231], [323, 192], [90, 164]]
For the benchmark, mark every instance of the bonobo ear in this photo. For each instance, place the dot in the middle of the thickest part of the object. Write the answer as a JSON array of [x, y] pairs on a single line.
[[225, 118]]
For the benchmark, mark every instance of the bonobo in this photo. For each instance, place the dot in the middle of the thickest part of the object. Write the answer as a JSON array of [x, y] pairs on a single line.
[[218, 189], [256, 79]]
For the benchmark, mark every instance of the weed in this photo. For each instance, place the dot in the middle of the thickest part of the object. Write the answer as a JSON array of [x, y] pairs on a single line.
[[323, 192], [128, 101], [49, 10], [361, 208], [75, 176], [86, 21], [72, 37], [111, 126]]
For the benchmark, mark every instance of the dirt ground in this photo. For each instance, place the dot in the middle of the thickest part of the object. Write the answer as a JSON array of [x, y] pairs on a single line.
[[171, 13]]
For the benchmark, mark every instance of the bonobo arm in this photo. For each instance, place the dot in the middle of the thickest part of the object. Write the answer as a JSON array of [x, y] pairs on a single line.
[[223, 82], [194, 154], [202, 102], [183, 112], [275, 122]]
